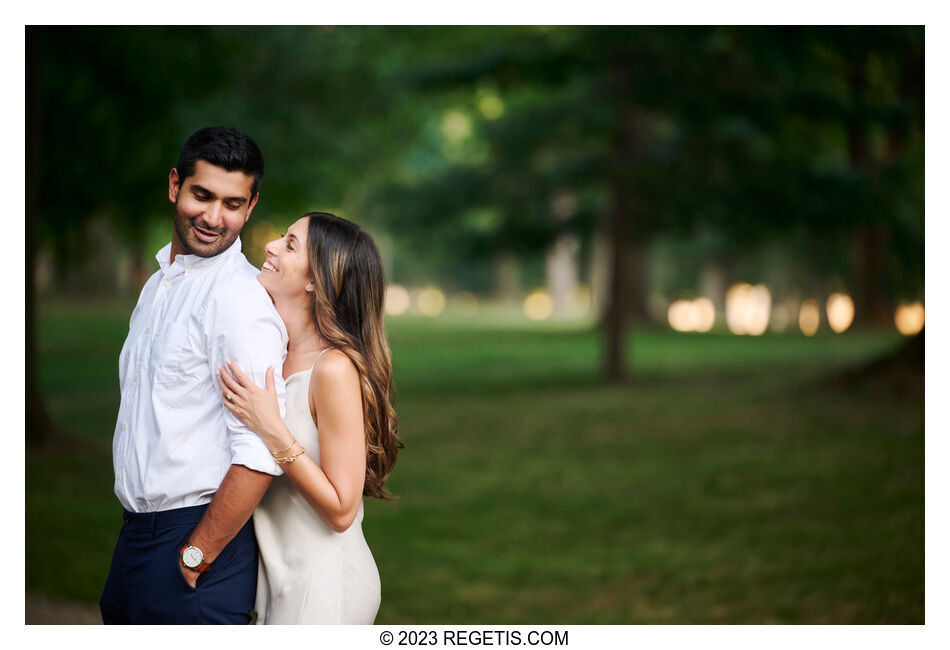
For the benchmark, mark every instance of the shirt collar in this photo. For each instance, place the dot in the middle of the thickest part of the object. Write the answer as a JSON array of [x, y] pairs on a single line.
[[187, 263]]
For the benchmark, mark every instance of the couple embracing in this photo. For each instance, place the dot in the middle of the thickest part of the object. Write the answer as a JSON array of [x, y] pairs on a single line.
[[250, 391]]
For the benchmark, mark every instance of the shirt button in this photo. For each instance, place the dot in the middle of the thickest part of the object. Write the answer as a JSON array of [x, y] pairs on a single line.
[[148, 329], [135, 378], [188, 270], [117, 476], [165, 284], [124, 427]]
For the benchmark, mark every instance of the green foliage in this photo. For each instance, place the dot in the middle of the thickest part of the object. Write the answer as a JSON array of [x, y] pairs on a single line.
[[115, 104], [722, 488], [750, 132]]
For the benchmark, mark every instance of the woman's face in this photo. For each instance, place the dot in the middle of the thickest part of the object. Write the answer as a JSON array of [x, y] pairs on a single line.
[[286, 272]]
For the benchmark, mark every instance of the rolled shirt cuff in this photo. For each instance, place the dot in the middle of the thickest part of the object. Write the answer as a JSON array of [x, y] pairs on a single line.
[[254, 455]]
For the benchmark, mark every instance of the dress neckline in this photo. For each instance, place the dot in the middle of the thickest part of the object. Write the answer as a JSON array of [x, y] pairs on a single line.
[[310, 369], [292, 375]]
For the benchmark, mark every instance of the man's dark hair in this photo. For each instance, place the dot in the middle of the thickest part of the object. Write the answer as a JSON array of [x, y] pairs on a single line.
[[223, 147]]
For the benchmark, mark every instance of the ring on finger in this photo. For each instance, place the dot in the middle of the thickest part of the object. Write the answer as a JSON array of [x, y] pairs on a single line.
[[230, 396]]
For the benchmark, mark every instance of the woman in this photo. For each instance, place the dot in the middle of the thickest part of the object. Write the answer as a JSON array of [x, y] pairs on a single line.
[[340, 439]]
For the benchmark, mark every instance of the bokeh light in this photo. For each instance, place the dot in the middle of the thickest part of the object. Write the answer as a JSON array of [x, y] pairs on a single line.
[[909, 319], [704, 314], [692, 315], [430, 301], [463, 304], [397, 300], [840, 311], [491, 107], [538, 305], [680, 316], [809, 316], [456, 126], [748, 309]]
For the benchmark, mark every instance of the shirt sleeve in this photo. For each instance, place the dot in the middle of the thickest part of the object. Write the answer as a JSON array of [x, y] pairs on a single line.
[[243, 326]]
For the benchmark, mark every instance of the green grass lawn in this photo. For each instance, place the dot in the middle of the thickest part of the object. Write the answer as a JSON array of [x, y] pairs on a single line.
[[725, 485]]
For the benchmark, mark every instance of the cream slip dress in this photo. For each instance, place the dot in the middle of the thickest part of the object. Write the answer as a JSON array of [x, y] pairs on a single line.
[[307, 572]]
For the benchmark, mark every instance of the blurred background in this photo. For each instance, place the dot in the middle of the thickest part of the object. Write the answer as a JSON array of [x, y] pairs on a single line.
[[655, 301]]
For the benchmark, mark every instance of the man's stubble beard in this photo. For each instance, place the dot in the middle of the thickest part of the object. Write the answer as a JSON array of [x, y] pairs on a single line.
[[193, 246]]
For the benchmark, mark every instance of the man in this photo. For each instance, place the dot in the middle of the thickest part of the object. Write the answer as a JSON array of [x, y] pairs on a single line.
[[187, 472]]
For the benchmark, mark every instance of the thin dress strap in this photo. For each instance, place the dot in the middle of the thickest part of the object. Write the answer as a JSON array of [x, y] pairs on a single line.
[[313, 413], [321, 354]]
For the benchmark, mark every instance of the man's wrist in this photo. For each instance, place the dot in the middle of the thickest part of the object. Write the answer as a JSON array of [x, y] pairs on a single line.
[[193, 557], [197, 539]]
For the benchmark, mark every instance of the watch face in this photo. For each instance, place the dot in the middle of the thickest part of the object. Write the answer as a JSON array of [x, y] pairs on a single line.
[[191, 557]]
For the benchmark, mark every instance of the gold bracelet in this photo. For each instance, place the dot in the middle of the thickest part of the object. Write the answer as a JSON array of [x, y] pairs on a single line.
[[275, 454], [292, 458]]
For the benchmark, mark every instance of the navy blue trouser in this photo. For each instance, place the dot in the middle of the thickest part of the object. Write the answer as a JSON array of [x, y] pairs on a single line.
[[146, 585]]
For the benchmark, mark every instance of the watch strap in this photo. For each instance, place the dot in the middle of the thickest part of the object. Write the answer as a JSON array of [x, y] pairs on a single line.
[[201, 568]]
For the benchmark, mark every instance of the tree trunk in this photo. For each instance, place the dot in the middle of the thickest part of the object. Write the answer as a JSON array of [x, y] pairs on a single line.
[[615, 366], [870, 290], [870, 239], [619, 226], [39, 427]]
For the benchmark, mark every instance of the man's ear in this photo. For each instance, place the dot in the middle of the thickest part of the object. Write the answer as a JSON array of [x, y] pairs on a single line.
[[173, 185], [251, 207]]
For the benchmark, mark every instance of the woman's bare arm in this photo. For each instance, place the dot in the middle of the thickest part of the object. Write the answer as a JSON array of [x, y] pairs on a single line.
[[334, 489]]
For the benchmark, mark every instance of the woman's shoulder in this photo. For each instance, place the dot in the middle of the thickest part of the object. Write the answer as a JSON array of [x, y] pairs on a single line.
[[337, 380], [334, 366]]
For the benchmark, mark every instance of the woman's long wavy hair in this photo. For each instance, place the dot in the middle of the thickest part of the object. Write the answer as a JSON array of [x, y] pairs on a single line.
[[348, 312]]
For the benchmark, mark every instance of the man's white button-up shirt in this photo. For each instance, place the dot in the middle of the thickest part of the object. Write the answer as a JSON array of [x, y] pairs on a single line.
[[174, 440]]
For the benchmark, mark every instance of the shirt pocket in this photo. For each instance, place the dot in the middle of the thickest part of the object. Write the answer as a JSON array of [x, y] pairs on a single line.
[[169, 348]]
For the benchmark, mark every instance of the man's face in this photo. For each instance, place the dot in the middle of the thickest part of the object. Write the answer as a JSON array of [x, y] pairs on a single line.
[[211, 208]]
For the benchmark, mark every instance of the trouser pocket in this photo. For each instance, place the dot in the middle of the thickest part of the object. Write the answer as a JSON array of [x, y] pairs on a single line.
[[226, 591], [181, 573], [169, 598]]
